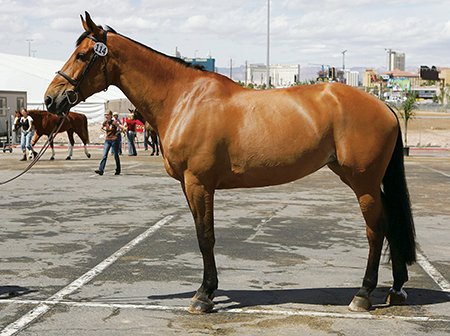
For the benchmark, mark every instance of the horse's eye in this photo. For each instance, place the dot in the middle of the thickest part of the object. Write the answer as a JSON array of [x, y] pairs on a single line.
[[81, 56]]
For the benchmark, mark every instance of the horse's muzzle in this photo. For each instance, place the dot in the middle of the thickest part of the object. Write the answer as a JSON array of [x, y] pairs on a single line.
[[49, 102], [57, 105]]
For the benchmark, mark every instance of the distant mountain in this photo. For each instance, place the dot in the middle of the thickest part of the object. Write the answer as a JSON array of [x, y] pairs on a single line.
[[306, 72], [238, 73]]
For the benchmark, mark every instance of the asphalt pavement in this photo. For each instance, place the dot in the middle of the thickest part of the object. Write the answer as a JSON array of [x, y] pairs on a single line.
[[117, 255]]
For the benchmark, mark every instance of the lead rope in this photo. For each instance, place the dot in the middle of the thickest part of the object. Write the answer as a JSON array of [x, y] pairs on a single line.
[[51, 137]]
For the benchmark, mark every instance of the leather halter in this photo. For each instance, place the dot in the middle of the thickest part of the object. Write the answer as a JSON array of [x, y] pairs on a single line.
[[72, 95]]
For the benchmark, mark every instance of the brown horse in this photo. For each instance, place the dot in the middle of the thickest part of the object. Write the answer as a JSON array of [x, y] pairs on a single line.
[[45, 123], [149, 132], [214, 135]]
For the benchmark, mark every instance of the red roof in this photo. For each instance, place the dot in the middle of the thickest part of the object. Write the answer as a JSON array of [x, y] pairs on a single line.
[[400, 73]]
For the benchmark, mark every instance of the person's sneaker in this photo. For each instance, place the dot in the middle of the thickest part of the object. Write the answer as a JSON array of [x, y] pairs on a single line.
[[117, 173], [34, 154], [24, 158], [99, 172]]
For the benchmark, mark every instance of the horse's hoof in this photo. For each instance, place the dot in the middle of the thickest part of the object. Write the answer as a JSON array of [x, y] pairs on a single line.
[[360, 304], [395, 298], [200, 307], [52, 158], [68, 158], [88, 155]]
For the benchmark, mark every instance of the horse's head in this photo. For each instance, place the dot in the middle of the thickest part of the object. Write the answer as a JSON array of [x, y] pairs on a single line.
[[137, 115], [17, 117], [84, 74]]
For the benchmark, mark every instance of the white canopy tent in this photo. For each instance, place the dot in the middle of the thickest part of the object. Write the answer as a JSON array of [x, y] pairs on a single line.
[[33, 75]]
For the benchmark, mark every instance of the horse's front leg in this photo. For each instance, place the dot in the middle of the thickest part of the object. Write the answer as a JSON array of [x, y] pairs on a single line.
[[35, 139], [52, 146], [200, 199]]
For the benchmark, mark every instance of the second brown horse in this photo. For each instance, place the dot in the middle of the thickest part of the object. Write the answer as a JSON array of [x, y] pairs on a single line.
[[45, 123]]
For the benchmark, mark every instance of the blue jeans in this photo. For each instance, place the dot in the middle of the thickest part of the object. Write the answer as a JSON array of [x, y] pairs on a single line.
[[119, 146], [25, 140], [131, 146], [108, 145]]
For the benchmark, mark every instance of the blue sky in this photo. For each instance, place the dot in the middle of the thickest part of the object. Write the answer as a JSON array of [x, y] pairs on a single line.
[[302, 32]]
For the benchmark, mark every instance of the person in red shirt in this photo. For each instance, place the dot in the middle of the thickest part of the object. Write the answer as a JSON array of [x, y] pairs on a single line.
[[130, 125]]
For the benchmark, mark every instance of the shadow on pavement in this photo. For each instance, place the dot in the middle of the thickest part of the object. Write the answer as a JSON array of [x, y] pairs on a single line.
[[313, 296]]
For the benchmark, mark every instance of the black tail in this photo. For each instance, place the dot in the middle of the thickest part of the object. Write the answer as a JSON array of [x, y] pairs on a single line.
[[400, 231]]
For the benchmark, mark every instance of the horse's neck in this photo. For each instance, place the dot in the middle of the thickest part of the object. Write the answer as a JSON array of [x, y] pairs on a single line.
[[146, 77]]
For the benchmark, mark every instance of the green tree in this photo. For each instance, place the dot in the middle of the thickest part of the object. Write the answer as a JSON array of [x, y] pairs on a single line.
[[442, 97], [407, 112]]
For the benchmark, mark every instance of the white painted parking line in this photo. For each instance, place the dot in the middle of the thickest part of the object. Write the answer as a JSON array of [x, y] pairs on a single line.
[[242, 311], [438, 171], [433, 273], [44, 307]]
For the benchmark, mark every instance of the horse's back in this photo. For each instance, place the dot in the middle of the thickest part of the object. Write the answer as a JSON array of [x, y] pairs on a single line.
[[256, 138], [300, 129]]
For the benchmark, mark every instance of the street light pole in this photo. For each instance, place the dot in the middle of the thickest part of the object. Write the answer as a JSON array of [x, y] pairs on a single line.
[[268, 46], [231, 68], [343, 59], [29, 47]]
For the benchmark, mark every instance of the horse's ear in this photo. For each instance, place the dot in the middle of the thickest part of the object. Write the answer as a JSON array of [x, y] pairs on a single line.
[[83, 23], [91, 26]]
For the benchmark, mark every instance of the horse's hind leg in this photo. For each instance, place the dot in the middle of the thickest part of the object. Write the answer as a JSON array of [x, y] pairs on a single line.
[[85, 141], [397, 295], [368, 193], [87, 152], [71, 143], [372, 209]]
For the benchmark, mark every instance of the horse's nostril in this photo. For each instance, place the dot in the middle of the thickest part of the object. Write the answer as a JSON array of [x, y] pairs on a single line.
[[48, 101]]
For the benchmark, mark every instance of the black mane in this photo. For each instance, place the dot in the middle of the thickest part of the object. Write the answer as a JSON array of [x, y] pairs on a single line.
[[86, 33], [111, 30]]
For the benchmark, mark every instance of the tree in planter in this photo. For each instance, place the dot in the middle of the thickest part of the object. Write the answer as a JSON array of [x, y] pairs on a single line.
[[443, 96], [407, 113]]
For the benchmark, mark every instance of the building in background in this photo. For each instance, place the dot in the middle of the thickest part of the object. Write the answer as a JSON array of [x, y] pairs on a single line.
[[395, 60], [208, 64], [10, 102], [351, 78], [370, 78], [280, 75], [426, 83], [444, 76]]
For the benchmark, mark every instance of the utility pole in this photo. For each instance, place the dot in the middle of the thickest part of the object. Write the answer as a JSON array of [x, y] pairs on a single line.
[[29, 47], [268, 46], [246, 74], [343, 59]]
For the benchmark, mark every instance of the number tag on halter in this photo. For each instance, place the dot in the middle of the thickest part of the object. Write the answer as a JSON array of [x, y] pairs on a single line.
[[100, 49]]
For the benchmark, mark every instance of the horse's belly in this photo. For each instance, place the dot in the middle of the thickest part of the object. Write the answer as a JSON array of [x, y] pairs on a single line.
[[272, 173]]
